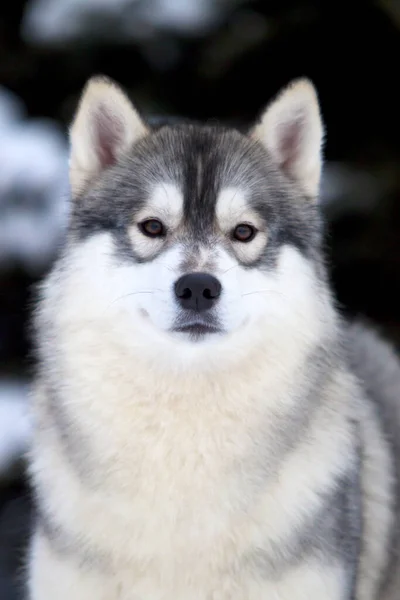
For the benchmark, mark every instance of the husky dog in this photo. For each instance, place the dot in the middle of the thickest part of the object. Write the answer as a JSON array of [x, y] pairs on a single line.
[[207, 427]]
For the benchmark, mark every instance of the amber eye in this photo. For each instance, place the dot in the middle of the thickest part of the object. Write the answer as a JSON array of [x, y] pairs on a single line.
[[152, 228], [244, 233]]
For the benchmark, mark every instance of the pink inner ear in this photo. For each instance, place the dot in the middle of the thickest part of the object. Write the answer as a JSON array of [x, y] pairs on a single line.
[[289, 136], [109, 133]]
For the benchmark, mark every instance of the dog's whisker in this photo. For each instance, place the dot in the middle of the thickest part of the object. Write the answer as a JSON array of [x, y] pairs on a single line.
[[134, 294], [264, 292], [230, 269], [166, 267]]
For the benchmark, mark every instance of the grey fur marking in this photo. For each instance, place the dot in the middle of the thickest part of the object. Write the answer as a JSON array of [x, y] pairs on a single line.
[[190, 261], [66, 544], [378, 368], [333, 533], [291, 427], [200, 161], [75, 443]]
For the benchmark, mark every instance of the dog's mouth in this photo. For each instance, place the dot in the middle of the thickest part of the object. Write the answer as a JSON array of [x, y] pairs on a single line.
[[197, 328]]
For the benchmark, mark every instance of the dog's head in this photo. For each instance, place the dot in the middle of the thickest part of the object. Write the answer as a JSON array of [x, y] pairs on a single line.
[[192, 237]]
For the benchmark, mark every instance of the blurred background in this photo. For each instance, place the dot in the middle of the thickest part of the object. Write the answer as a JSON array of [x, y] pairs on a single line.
[[218, 60]]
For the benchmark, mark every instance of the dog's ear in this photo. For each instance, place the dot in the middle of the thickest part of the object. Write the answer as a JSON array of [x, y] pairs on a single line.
[[291, 130], [105, 126]]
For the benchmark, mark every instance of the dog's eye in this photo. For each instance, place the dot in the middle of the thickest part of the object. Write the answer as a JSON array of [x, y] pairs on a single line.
[[244, 232], [152, 228]]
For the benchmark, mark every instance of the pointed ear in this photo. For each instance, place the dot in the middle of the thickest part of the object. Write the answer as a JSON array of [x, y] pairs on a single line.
[[105, 126], [292, 132]]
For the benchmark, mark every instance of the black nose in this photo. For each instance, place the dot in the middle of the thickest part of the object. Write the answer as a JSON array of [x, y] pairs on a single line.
[[197, 291]]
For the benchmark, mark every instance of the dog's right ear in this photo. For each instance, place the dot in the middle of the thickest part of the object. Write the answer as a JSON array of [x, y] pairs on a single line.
[[105, 126]]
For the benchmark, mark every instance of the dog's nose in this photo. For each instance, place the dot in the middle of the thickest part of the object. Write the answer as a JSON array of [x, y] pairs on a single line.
[[197, 291]]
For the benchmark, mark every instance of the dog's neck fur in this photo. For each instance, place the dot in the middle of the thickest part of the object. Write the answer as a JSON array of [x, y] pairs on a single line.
[[99, 370]]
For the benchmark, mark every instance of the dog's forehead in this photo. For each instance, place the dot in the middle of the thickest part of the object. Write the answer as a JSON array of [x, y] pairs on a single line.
[[203, 172]]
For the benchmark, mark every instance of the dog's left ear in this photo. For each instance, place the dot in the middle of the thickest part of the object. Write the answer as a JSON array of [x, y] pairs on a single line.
[[106, 125], [292, 132]]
